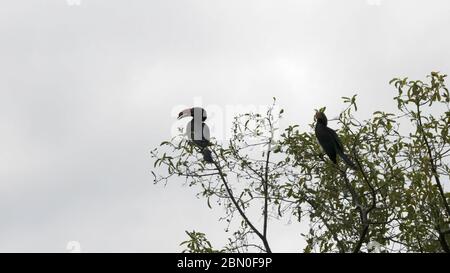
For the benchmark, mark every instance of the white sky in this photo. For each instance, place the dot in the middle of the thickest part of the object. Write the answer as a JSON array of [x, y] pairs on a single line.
[[87, 90]]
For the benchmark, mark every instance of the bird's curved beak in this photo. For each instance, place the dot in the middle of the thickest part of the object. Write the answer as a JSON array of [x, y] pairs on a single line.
[[184, 114]]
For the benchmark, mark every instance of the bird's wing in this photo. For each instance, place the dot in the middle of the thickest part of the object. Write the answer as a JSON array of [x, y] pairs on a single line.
[[326, 140], [335, 138], [340, 149]]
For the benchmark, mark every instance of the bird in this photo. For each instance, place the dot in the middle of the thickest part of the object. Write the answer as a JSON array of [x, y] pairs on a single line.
[[198, 131], [329, 140]]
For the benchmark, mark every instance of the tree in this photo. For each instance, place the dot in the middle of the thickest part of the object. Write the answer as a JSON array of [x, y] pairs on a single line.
[[395, 198]]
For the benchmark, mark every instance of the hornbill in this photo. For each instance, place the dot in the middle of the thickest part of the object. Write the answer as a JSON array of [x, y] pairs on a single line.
[[197, 130], [329, 140]]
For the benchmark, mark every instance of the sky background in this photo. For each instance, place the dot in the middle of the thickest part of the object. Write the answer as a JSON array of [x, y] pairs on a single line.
[[86, 91]]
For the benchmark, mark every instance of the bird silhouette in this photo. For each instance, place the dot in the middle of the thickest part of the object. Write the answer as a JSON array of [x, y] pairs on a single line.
[[329, 140], [197, 130]]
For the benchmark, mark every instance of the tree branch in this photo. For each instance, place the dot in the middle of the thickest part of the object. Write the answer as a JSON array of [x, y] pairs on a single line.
[[443, 241], [433, 166], [266, 180], [239, 209]]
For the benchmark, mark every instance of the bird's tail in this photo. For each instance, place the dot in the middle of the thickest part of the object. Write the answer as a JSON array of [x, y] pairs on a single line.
[[347, 160], [207, 155]]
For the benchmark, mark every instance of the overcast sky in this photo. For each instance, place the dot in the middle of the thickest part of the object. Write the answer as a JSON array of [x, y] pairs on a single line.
[[86, 91]]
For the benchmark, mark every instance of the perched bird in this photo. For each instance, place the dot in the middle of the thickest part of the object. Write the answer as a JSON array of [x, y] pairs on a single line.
[[329, 140], [197, 130]]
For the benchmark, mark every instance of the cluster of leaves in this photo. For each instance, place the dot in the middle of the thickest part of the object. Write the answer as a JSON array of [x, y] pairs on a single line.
[[395, 198], [197, 243]]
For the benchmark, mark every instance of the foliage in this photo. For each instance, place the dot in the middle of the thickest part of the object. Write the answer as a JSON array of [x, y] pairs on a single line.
[[395, 198], [197, 243]]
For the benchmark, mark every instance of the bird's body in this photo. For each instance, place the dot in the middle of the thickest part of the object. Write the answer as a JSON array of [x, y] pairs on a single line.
[[329, 140], [199, 135], [197, 131]]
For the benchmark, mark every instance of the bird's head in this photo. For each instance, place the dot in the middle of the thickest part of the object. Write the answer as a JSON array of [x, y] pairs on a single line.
[[320, 117], [195, 112]]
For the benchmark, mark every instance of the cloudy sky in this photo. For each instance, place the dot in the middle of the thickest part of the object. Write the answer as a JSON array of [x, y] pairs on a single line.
[[89, 87]]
